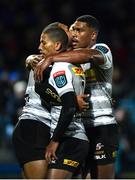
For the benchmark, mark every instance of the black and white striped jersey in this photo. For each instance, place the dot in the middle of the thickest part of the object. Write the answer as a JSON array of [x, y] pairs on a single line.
[[99, 86], [33, 108], [65, 78]]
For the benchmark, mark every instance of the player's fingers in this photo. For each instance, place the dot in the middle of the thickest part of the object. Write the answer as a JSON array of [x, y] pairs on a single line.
[[34, 64], [48, 157], [35, 61], [38, 59], [54, 157]]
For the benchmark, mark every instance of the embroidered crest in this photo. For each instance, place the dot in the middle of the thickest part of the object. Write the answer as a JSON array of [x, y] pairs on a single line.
[[102, 49], [60, 79]]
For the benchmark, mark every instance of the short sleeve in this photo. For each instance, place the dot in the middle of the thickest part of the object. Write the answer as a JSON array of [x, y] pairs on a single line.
[[61, 78], [106, 52]]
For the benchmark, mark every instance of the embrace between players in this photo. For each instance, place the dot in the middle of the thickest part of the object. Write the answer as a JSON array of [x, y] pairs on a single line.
[[67, 126]]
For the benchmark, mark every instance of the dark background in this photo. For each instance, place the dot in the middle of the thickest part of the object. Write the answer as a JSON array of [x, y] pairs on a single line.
[[21, 22]]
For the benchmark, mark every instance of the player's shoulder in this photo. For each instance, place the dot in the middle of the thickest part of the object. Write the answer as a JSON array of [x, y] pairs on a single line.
[[61, 65], [104, 48], [60, 68]]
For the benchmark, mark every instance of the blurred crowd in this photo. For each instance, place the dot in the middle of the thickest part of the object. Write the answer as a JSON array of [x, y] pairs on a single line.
[[21, 22]]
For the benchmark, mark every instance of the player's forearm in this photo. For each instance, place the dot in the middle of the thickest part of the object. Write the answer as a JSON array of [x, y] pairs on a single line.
[[79, 56], [63, 123], [68, 110]]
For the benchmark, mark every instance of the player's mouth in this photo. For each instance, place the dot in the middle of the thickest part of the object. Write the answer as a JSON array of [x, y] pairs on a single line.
[[42, 53], [74, 42]]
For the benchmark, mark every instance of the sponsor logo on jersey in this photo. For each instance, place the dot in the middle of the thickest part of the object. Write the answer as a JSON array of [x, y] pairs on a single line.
[[99, 146], [114, 154], [53, 161], [90, 75], [103, 156], [78, 71], [60, 79], [53, 94], [99, 152], [103, 49], [71, 163]]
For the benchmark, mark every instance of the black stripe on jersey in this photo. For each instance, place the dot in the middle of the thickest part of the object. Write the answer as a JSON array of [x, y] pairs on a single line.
[[47, 93]]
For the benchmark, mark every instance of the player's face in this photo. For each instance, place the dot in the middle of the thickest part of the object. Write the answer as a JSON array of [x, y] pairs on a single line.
[[83, 36], [47, 46]]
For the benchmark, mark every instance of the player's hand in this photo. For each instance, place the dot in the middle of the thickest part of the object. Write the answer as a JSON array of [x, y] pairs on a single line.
[[33, 60], [41, 66], [50, 151], [82, 102]]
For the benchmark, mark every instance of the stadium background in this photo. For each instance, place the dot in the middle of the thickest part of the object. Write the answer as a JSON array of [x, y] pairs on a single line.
[[21, 22]]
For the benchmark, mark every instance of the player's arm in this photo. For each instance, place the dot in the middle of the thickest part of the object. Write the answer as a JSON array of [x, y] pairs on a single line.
[[61, 80], [69, 107], [79, 56], [74, 56], [48, 93]]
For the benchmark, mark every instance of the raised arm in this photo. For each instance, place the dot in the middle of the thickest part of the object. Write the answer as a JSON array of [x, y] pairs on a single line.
[[79, 56], [74, 56]]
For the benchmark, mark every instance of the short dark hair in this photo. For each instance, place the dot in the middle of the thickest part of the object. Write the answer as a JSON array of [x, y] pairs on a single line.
[[90, 20], [52, 25], [57, 34]]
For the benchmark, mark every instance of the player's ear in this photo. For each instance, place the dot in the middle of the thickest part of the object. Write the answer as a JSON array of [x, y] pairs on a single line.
[[94, 35], [58, 46]]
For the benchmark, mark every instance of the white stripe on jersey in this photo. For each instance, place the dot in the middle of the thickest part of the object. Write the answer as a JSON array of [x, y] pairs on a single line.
[[33, 108], [107, 58]]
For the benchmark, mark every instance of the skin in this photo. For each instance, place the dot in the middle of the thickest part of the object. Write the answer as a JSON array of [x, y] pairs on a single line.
[[83, 36], [33, 60], [48, 47], [37, 169]]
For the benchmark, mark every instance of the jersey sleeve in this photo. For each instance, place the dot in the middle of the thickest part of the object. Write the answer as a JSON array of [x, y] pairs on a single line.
[[61, 78], [106, 52]]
